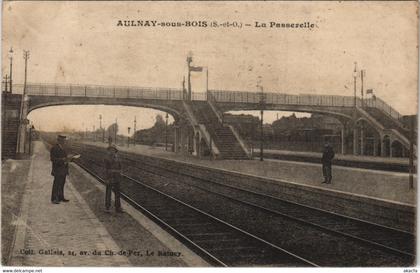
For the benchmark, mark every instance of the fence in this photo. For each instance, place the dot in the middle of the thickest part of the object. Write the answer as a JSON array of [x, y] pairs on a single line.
[[104, 91], [276, 98], [381, 105], [216, 95]]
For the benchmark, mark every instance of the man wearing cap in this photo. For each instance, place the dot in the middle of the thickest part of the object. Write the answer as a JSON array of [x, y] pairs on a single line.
[[113, 175], [327, 157], [60, 170]]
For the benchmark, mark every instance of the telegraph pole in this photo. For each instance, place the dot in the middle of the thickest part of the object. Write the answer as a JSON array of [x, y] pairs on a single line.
[[207, 82], [101, 129], [26, 57], [362, 74], [22, 117], [11, 70], [355, 76], [115, 130], [184, 95], [166, 133], [135, 130], [262, 102], [411, 151]]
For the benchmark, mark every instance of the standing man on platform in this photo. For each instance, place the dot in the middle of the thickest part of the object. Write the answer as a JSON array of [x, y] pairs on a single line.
[[113, 174], [60, 169], [327, 157]]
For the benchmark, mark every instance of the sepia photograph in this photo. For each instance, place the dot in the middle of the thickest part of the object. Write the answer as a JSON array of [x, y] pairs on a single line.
[[279, 134]]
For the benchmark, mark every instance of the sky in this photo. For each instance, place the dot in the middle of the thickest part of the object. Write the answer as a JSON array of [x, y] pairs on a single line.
[[81, 42]]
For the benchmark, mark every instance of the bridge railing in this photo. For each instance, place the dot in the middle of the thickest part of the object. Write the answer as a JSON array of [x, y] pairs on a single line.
[[381, 105], [276, 98], [104, 91]]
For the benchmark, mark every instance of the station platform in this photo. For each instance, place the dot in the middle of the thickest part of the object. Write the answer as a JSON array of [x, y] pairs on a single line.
[[80, 232], [388, 186], [394, 164]]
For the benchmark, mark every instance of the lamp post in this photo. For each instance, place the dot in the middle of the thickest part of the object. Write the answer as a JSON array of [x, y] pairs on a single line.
[[11, 70], [166, 132]]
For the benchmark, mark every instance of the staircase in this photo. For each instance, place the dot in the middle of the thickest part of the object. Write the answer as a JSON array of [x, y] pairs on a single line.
[[11, 104], [222, 135], [387, 121]]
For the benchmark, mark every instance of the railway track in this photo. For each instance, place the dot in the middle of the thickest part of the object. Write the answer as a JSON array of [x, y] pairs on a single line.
[[219, 242], [388, 239], [396, 243]]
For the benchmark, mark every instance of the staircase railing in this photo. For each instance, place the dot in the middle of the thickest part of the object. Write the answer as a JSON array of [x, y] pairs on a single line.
[[207, 138], [384, 107], [210, 100]]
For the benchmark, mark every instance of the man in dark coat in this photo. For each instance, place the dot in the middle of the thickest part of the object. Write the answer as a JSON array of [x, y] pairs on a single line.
[[60, 170], [327, 157], [113, 176]]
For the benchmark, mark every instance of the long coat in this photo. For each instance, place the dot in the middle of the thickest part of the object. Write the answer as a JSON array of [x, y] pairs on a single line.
[[58, 156], [327, 155], [113, 168]]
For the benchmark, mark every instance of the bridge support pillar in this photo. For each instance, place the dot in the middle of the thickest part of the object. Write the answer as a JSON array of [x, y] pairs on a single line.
[[355, 140], [197, 142], [176, 139], [343, 139], [362, 140], [383, 148], [185, 139], [182, 139], [390, 148], [375, 146]]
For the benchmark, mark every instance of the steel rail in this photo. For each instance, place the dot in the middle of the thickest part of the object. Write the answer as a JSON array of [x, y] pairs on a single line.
[[362, 240], [305, 261]]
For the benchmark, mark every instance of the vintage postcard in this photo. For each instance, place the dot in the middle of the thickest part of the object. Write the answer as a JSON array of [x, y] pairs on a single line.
[[209, 134]]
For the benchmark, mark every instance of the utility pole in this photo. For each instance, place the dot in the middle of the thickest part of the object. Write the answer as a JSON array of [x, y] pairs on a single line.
[[411, 156], [262, 105], [207, 83], [362, 74], [11, 70], [355, 76], [135, 130], [22, 116], [94, 133], [115, 130], [26, 57], [184, 95], [101, 129], [166, 133]]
